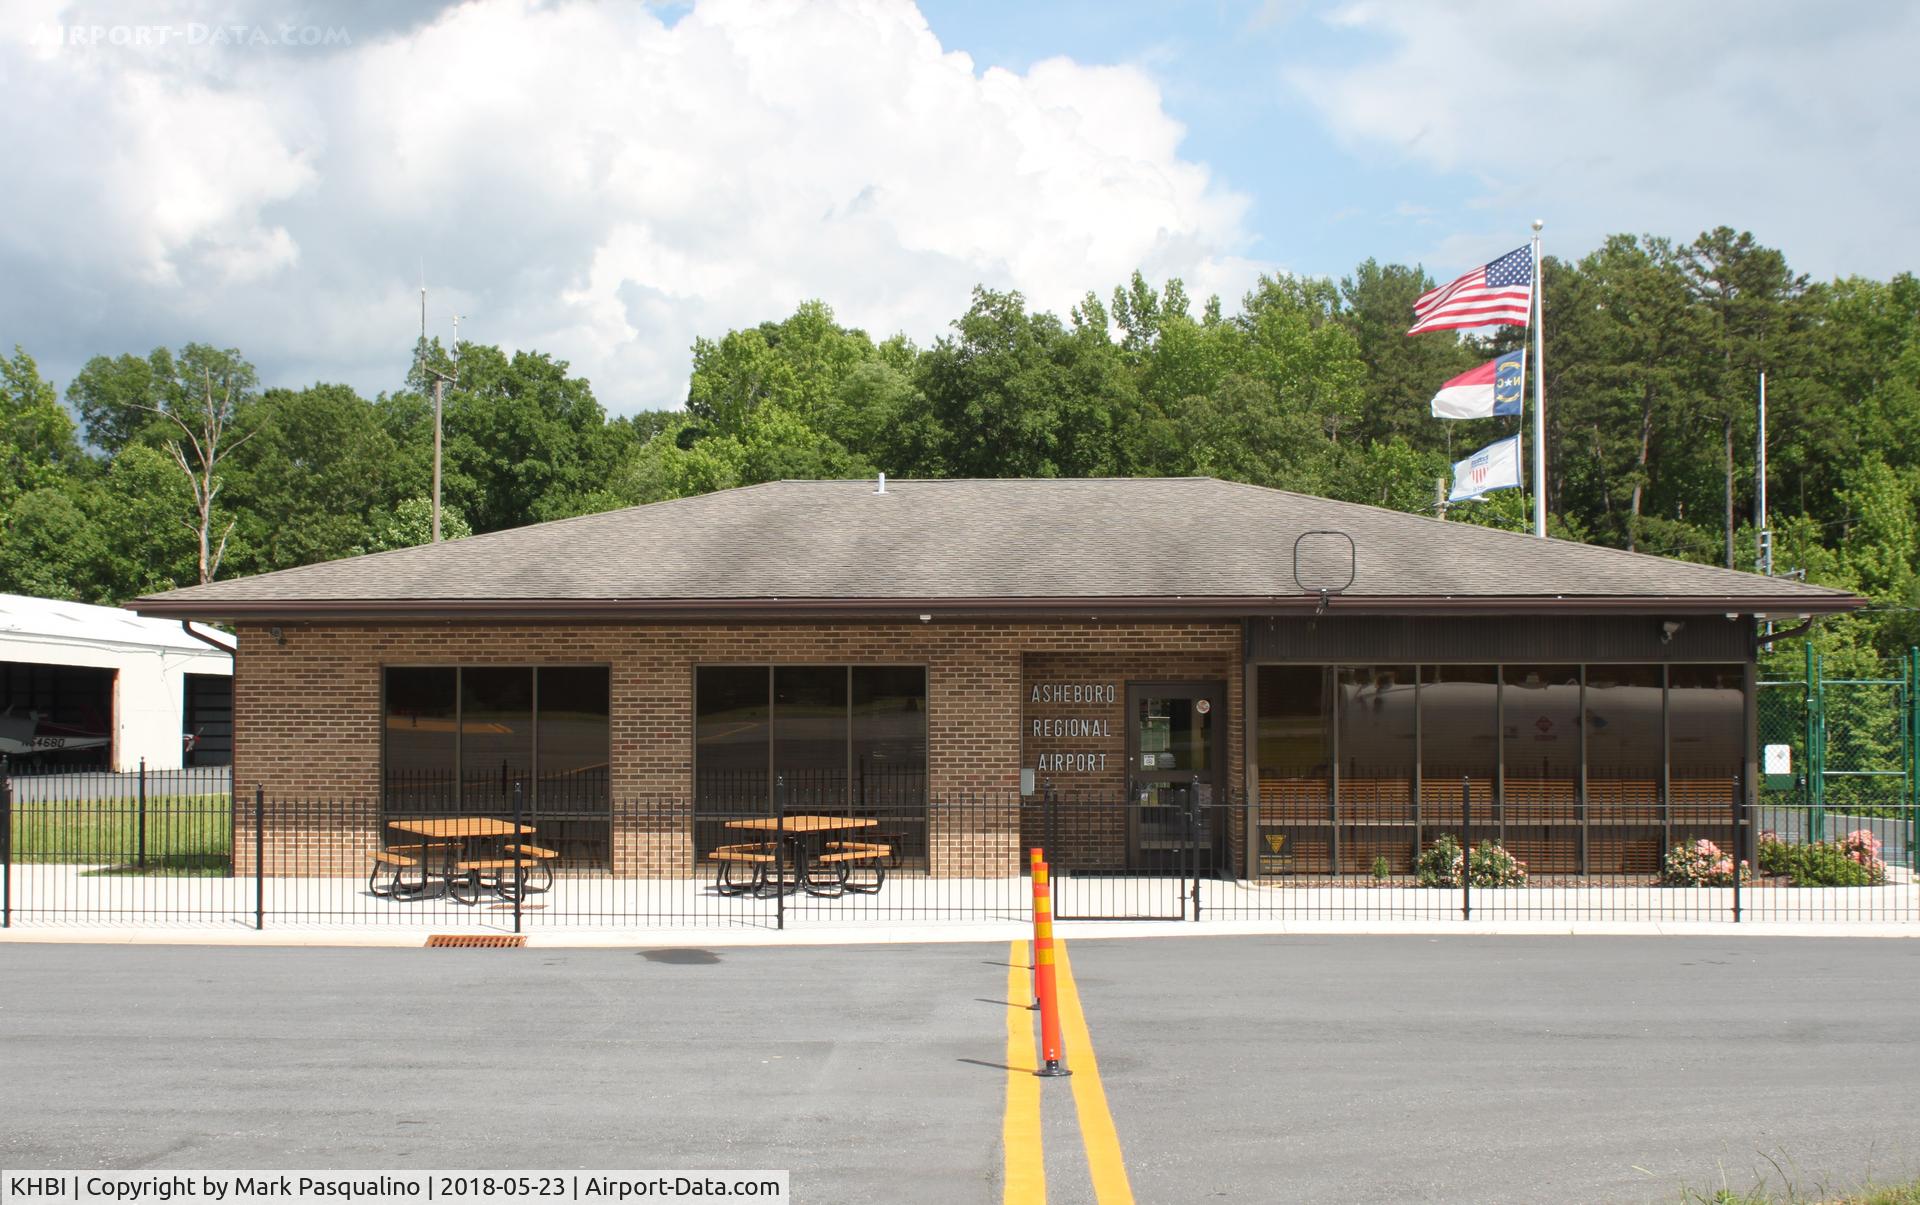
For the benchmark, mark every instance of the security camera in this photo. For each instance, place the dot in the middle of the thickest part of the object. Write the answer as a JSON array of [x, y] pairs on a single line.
[[1668, 627]]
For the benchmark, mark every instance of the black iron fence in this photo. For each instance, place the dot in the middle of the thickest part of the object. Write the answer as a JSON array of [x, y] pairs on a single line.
[[182, 846]]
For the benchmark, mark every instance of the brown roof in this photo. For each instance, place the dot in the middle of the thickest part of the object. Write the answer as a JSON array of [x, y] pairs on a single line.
[[1112, 546]]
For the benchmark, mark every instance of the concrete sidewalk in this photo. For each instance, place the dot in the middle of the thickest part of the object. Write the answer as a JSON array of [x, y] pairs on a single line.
[[929, 933]]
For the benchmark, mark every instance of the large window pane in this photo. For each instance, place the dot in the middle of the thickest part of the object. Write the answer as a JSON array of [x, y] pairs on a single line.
[[420, 738], [496, 735], [1376, 716], [810, 732], [1706, 731], [574, 746], [1624, 735], [1540, 710], [732, 727], [889, 734], [1293, 722], [1459, 738]]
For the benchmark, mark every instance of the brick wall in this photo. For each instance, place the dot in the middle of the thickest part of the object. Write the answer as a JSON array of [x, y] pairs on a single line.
[[307, 705]]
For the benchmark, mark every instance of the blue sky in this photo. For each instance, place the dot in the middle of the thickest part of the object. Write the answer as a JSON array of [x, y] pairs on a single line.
[[608, 181]]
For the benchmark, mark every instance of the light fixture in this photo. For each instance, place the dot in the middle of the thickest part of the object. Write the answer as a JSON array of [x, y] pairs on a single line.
[[279, 637], [1668, 627], [926, 619]]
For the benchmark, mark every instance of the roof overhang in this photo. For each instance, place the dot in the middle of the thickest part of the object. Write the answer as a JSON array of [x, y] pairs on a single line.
[[951, 610]]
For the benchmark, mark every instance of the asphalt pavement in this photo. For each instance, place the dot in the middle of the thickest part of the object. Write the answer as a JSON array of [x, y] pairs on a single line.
[[1249, 1068]]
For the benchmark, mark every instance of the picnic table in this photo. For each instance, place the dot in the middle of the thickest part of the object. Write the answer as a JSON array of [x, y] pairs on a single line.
[[468, 855], [820, 866]]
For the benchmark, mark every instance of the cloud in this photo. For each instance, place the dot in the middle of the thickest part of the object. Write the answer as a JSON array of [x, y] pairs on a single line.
[[1778, 117], [599, 181]]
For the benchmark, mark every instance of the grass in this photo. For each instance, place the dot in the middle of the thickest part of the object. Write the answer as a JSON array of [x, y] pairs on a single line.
[[1907, 1193], [184, 834]]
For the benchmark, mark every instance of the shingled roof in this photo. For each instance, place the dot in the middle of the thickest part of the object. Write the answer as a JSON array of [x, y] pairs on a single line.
[[1109, 547]]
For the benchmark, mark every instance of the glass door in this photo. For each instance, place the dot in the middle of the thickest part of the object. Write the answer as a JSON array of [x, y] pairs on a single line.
[[1176, 759]]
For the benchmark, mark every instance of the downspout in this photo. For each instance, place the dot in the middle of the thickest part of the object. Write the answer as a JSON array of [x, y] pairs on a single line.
[[186, 625]]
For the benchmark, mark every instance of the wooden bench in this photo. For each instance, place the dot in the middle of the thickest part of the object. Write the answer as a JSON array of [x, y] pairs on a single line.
[[760, 856], [531, 851], [384, 876]]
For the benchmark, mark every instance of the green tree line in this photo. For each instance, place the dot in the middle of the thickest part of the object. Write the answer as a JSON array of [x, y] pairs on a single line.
[[175, 467]]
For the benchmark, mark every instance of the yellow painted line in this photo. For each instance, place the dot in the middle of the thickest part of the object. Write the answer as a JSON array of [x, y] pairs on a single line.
[[1097, 1132], [1024, 1180]]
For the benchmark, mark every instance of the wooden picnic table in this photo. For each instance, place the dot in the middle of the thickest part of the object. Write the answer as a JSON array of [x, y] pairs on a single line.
[[467, 875], [802, 835], [802, 824]]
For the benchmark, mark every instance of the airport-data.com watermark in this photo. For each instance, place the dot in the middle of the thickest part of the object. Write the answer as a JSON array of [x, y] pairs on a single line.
[[192, 34]]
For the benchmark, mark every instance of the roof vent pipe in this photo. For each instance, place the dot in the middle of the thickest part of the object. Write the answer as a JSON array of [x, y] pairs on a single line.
[[882, 488]]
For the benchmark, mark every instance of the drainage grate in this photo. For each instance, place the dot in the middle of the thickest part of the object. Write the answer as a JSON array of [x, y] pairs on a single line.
[[477, 941]]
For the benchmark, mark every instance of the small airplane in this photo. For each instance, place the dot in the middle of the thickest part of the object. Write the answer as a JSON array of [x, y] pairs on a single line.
[[23, 736]]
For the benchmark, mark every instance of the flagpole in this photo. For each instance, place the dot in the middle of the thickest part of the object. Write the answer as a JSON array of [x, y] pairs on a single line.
[[1539, 393]]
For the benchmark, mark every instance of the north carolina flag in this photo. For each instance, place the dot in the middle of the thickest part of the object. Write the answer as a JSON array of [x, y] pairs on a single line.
[[1494, 467], [1489, 391]]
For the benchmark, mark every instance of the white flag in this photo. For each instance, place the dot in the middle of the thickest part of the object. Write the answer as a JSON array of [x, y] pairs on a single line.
[[1494, 467]]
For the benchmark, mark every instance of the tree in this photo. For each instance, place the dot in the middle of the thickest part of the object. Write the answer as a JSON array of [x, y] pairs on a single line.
[[37, 447], [410, 524], [206, 419], [116, 397]]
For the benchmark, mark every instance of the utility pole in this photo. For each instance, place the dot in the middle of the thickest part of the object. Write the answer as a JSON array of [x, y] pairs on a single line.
[[439, 379], [1761, 532]]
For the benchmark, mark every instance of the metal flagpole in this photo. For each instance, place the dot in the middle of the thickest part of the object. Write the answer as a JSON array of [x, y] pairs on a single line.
[[1539, 394]]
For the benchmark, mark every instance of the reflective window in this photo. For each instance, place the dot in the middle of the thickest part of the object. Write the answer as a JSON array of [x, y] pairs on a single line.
[[810, 727], [889, 759], [1293, 722], [575, 710], [733, 725], [496, 734], [1625, 733], [1706, 724], [421, 739], [1540, 715], [1377, 712], [830, 735], [1459, 729]]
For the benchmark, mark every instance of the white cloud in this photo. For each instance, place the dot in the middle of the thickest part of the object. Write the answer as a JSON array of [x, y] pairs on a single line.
[[579, 178], [1788, 119]]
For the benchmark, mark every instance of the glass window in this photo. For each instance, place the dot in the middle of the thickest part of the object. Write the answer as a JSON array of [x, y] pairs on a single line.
[[1706, 724], [889, 734], [1541, 726], [575, 711], [733, 723], [810, 731], [1376, 716], [1293, 722], [496, 734], [1624, 734], [1459, 734], [421, 741], [1173, 734]]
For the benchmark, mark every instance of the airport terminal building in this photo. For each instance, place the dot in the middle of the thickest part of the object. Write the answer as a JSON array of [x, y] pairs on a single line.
[[1350, 676]]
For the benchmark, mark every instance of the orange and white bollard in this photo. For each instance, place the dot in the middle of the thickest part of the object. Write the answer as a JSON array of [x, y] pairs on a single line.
[[1044, 983], [1036, 859]]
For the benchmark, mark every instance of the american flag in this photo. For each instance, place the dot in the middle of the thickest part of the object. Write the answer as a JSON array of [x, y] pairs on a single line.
[[1498, 294]]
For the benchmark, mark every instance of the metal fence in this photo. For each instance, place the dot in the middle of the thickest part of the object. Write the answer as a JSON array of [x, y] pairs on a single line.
[[182, 847]]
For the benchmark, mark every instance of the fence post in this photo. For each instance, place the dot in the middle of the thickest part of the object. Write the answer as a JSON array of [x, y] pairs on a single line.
[[259, 856], [1193, 842], [1739, 843], [142, 859], [6, 845], [1466, 848], [519, 844], [780, 852]]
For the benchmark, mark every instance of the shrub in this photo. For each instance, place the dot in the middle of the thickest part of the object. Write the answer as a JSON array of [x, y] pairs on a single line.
[[1380, 868], [1852, 861], [1439, 863], [1493, 866], [1700, 864]]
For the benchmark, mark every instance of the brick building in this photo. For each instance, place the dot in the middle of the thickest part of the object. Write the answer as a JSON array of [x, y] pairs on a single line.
[[1327, 681]]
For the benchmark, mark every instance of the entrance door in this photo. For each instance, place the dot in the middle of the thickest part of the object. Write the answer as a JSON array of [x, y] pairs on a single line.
[[1176, 759]]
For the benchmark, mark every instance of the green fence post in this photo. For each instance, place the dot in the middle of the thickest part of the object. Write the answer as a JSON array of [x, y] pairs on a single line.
[[1816, 747], [1913, 752]]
